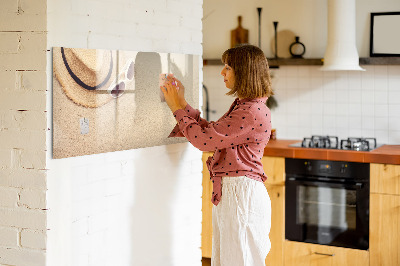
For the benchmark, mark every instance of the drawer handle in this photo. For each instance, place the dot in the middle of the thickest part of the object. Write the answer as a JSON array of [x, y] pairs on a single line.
[[325, 254]]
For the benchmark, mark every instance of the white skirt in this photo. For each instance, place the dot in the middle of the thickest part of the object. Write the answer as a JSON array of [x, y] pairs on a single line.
[[241, 223]]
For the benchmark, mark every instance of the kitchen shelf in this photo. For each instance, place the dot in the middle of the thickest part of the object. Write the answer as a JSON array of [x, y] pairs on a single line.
[[294, 62], [380, 61], [274, 63]]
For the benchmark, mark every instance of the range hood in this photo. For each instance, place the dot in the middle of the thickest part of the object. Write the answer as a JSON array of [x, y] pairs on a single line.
[[341, 51]]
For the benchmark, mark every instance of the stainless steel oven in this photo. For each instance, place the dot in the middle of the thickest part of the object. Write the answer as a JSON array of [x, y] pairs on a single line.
[[327, 202]]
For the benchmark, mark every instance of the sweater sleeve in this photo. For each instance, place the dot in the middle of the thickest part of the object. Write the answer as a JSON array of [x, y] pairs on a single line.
[[231, 130], [195, 114]]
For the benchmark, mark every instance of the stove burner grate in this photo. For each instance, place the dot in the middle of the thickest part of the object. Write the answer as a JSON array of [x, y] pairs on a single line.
[[332, 142], [358, 144], [327, 142]]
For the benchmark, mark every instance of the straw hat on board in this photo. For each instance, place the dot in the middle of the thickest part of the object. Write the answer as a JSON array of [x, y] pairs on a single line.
[[89, 76]]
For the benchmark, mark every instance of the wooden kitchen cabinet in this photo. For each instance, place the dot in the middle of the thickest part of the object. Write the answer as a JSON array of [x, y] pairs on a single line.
[[206, 225], [274, 168], [385, 178], [277, 233], [384, 236], [305, 254]]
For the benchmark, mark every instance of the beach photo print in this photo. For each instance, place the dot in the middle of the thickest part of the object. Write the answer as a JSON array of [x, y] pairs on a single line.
[[110, 100]]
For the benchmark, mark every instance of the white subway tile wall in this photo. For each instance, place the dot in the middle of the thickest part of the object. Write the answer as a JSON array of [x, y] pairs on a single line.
[[313, 102]]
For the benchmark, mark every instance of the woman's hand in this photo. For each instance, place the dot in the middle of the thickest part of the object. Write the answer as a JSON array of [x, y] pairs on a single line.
[[171, 95], [181, 91]]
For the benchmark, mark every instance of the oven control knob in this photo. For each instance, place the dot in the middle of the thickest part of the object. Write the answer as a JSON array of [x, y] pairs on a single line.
[[343, 168], [308, 166]]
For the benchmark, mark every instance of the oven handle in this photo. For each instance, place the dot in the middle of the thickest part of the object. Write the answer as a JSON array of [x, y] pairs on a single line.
[[357, 185]]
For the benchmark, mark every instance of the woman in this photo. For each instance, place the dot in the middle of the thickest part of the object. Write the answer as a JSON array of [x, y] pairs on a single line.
[[242, 208]]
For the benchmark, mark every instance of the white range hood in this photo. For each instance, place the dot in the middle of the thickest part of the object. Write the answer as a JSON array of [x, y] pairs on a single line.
[[341, 51]]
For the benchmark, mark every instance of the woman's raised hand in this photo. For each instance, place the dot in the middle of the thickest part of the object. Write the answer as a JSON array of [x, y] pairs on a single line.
[[181, 91], [171, 95]]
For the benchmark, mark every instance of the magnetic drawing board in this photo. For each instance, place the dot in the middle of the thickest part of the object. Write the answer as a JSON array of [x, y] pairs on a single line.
[[109, 100]]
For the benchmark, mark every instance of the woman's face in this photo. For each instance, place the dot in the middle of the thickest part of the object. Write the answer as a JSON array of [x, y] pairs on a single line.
[[229, 76]]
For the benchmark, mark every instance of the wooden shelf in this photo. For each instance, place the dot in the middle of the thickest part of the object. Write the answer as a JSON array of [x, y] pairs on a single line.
[[380, 61], [274, 63]]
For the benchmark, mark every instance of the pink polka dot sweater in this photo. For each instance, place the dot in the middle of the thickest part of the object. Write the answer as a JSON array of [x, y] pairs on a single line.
[[238, 139]]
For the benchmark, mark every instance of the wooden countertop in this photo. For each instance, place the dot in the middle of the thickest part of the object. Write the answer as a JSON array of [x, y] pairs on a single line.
[[389, 154]]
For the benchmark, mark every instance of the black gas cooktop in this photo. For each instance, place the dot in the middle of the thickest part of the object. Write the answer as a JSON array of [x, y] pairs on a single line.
[[332, 142]]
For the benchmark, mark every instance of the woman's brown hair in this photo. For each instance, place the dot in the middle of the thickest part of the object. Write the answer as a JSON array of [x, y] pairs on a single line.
[[250, 66]]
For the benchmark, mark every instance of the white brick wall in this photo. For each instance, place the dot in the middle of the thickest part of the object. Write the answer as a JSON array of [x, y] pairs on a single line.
[[33, 239], [23, 178], [23, 218], [100, 206], [9, 237], [33, 198], [9, 197], [137, 207], [23, 16], [23, 128], [24, 256]]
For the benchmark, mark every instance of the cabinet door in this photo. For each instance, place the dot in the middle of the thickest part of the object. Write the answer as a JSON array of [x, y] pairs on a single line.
[[274, 168], [384, 229], [385, 178], [277, 233], [206, 232], [305, 254]]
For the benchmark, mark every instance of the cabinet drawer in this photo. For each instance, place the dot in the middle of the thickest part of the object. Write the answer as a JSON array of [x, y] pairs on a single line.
[[305, 254]]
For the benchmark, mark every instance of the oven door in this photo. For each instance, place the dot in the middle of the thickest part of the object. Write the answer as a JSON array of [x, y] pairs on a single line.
[[327, 213]]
